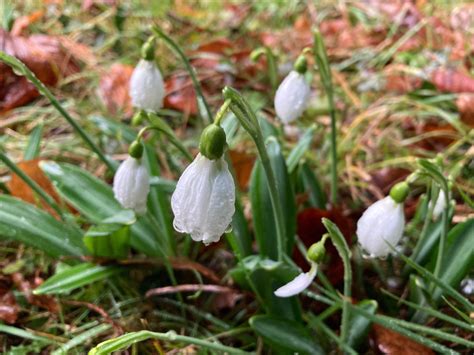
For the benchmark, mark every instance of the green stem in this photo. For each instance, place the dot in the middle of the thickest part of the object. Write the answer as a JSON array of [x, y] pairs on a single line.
[[249, 122], [344, 252], [22, 69], [321, 59], [32, 184], [171, 137], [201, 101], [127, 339], [222, 111]]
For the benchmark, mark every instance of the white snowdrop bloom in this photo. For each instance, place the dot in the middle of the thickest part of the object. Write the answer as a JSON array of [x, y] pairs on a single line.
[[380, 227], [203, 202], [298, 284], [292, 96], [147, 89], [132, 184], [440, 205]]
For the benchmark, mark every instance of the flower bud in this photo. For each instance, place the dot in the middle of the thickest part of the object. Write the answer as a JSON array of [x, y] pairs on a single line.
[[136, 149], [439, 206], [316, 252], [213, 142], [399, 192], [139, 118], [381, 227], [132, 184], [291, 97]]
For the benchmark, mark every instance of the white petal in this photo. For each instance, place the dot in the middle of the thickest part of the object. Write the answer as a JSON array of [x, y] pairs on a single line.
[[147, 89], [292, 96], [440, 205], [203, 202], [298, 284], [132, 185], [380, 227]]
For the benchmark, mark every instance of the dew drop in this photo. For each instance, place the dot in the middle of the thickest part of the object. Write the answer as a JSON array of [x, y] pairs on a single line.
[[228, 229]]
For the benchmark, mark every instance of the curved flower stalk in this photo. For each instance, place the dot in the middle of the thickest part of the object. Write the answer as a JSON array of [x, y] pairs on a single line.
[[292, 95], [204, 200], [301, 282], [132, 181], [147, 89], [381, 226]]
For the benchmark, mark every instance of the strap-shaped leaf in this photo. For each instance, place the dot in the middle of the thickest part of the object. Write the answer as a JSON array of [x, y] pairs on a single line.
[[25, 223]]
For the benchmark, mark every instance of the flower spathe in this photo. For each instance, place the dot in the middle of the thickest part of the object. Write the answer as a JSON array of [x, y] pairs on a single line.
[[292, 96], [147, 89], [381, 227], [439, 206], [132, 185], [298, 284], [203, 202]]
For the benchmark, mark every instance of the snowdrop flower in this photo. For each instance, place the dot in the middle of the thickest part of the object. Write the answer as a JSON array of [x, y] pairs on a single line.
[[381, 226], [147, 89], [440, 205], [292, 95], [301, 282], [203, 202], [132, 181]]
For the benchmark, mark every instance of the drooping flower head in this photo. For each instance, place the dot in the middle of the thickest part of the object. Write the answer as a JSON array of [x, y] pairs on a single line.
[[301, 282], [147, 89], [291, 97], [132, 181], [203, 202], [381, 226]]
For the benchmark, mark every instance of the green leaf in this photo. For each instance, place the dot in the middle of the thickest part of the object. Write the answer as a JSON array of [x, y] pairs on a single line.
[[108, 240], [311, 186], [33, 148], [300, 149], [459, 256], [95, 200], [82, 338], [75, 277], [264, 276], [114, 128], [359, 325], [263, 218], [25, 223], [285, 336], [239, 238]]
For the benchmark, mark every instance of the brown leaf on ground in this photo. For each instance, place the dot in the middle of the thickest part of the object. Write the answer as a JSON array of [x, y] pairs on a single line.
[[465, 104], [22, 191], [454, 81], [243, 165], [27, 287], [180, 94], [388, 342], [114, 87], [385, 178], [42, 54], [310, 229], [8, 308]]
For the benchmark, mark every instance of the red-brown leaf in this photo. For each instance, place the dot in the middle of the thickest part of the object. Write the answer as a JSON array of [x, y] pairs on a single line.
[[455, 81], [8, 308], [388, 342], [114, 88]]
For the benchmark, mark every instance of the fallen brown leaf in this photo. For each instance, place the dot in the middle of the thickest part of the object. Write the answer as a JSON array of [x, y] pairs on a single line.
[[8, 308], [455, 81], [243, 164], [27, 287], [22, 191], [114, 88], [388, 342], [465, 104]]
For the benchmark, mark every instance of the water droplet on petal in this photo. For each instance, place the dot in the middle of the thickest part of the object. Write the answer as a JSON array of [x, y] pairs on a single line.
[[228, 229]]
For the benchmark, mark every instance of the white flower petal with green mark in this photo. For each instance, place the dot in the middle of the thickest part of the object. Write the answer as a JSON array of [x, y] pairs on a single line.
[[298, 284], [440, 205]]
